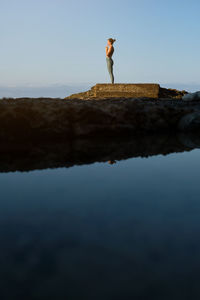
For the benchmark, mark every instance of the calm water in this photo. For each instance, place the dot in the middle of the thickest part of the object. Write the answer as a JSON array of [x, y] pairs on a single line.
[[129, 230]]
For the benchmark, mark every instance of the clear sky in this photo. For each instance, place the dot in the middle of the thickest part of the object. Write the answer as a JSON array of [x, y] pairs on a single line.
[[46, 42]]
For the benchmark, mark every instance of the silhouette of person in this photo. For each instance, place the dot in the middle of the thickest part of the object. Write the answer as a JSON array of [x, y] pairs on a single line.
[[109, 60]]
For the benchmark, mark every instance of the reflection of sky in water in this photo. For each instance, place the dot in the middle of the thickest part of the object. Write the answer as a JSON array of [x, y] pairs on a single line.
[[102, 231]]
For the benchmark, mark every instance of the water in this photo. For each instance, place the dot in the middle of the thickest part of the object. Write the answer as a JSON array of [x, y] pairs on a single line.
[[127, 230]]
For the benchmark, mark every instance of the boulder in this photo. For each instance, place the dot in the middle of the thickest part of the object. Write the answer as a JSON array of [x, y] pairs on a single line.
[[191, 96]]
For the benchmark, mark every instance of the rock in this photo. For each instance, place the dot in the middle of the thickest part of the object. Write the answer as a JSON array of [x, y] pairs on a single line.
[[191, 96], [59, 119], [127, 90], [171, 93]]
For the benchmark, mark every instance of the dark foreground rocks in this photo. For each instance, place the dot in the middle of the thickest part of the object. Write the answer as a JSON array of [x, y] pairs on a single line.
[[47, 119]]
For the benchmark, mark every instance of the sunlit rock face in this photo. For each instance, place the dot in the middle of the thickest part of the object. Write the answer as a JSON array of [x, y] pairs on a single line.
[[127, 90]]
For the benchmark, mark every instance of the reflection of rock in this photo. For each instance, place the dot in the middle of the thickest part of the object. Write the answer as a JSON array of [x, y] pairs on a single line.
[[190, 122], [191, 96], [30, 156], [191, 140]]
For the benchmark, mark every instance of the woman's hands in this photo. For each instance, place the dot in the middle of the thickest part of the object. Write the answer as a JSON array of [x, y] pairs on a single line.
[[106, 50]]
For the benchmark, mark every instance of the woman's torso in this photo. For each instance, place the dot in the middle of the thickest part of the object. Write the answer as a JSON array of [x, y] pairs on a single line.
[[111, 52]]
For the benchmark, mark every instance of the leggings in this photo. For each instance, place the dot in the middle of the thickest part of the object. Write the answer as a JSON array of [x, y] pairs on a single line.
[[110, 63]]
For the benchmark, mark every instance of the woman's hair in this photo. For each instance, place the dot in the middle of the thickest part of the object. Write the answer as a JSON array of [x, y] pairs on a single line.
[[111, 40]]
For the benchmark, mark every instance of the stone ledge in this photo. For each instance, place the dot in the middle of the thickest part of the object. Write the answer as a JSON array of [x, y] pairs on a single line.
[[127, 90]]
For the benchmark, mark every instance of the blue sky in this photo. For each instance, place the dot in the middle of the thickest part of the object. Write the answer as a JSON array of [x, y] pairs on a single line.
[[45, 42]]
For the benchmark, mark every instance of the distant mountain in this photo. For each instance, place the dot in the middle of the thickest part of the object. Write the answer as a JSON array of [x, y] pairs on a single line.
[[182, 86], [54, 91], [62, 91]]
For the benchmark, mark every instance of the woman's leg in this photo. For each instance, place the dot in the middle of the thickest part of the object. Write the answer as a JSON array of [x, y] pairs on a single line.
[[112, 75], [110, 69]]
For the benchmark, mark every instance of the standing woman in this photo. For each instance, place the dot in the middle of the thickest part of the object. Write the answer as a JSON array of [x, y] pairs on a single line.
[[109, 60]]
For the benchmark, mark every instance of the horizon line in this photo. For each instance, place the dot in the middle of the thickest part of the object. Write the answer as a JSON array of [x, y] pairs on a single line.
[[29, 85]]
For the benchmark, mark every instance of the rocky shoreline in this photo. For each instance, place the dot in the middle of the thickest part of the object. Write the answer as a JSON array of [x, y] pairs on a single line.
[[60, 119], [39, 133], [104, 110]]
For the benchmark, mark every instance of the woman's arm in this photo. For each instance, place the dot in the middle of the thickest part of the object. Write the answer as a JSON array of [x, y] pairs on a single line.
[[108, 51]]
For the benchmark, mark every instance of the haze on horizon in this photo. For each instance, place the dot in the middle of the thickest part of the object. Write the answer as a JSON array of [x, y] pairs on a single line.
[[60, 42]]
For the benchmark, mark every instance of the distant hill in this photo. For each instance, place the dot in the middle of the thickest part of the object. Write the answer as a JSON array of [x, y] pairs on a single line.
[[53, 91], [61, 91]]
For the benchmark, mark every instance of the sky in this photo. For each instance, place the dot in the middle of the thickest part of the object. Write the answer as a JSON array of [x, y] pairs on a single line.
[[58, 42]]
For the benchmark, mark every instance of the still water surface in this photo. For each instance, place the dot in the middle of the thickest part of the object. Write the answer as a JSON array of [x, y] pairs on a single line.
[[130, 230]]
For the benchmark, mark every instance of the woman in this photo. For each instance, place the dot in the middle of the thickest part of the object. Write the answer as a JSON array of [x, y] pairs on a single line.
[[110, 62]]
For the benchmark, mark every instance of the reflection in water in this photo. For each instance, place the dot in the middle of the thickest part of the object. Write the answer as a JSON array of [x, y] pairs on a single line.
[[27, 156], [126, 231]]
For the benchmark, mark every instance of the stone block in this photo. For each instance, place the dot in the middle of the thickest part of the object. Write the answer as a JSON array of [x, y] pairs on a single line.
[[126, 90]]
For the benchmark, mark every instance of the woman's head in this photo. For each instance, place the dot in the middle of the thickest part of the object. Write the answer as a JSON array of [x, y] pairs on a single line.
[[111, 41]]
